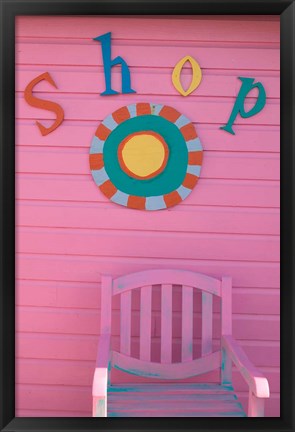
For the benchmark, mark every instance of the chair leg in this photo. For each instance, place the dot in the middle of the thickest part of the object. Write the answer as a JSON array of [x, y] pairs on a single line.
[[255, 406], [226, 368], [99, 407]]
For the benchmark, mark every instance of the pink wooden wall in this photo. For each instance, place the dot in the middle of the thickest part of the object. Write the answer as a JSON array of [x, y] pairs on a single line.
[[68, 232]]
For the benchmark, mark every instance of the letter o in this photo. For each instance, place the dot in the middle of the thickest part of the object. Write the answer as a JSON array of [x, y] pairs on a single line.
[[196, 78]]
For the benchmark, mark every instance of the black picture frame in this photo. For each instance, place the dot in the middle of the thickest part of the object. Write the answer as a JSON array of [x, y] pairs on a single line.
[[9, 10]]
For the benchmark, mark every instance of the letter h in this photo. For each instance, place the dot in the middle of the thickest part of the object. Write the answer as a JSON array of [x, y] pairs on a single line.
[[108, 63]]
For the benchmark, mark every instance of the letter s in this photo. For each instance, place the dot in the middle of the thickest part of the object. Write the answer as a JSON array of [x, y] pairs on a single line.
[[44, 104]]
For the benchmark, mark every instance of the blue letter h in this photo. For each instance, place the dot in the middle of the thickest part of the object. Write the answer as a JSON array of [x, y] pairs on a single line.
[[108, 63]]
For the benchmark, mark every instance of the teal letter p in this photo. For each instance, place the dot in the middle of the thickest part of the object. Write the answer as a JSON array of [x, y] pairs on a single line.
[[246, 87]]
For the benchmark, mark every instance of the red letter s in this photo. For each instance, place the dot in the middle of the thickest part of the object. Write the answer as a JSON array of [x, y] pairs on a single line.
[[44, 104]]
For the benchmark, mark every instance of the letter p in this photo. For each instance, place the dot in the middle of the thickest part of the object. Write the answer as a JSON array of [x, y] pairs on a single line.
[[246, 87]]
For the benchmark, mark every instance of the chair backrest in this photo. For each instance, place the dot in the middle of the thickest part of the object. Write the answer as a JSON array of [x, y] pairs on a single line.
[[144, 280]]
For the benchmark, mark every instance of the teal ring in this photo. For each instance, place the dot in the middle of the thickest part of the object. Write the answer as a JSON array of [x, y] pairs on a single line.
[[168, 180]]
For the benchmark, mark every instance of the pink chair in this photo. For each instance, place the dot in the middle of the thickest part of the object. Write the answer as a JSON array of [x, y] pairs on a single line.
[[171, 399]]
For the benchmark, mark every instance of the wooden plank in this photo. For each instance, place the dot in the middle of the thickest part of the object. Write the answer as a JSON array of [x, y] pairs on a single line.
[[147, 244], [68, 398], [176, 403], [237, 193], [213, 110], [158, 81], [174, 413], [164, 370], [125, 320], [149, 388], [56, 346], [76, 215], [145, 323], [158, 54], [55, 372], [154, 398], [166, 323], [183, 28], [50, 413], [207, 321], [246, 139], [187, 324], [218, 164], [199, 404]]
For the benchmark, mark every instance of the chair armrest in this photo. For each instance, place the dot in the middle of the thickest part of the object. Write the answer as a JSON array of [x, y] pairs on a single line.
[[255, 379], [100, 379]]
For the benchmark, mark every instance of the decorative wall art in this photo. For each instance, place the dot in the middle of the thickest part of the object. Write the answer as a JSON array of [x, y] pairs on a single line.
[[128, 171], [146, 156]]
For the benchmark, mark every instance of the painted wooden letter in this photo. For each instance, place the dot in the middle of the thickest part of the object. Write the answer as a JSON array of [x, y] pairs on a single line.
[[108, 63], [246, 87], [196, 78], [44, 104]]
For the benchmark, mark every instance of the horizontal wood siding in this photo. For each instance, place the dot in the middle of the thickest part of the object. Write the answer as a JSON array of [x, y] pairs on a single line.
[[68, 232]]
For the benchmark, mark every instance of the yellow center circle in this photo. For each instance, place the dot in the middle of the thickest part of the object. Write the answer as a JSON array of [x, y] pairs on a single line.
[[143, 154]]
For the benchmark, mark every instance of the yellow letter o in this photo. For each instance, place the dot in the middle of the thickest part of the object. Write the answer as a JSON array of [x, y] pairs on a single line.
[[196, 78]]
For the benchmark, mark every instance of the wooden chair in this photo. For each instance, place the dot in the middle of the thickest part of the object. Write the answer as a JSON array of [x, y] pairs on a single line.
[[180, 399]]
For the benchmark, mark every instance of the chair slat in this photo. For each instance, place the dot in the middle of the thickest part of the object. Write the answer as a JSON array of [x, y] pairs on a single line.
[[167, 276], [169, 371], [145, 323], [166, 324], [125, 332], [187, 324], [206, 323]]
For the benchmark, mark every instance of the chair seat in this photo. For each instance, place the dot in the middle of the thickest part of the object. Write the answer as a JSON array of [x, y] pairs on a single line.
[[173, 400]]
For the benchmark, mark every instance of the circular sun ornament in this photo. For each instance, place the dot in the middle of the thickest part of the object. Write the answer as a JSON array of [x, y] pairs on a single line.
[[146, 156]]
